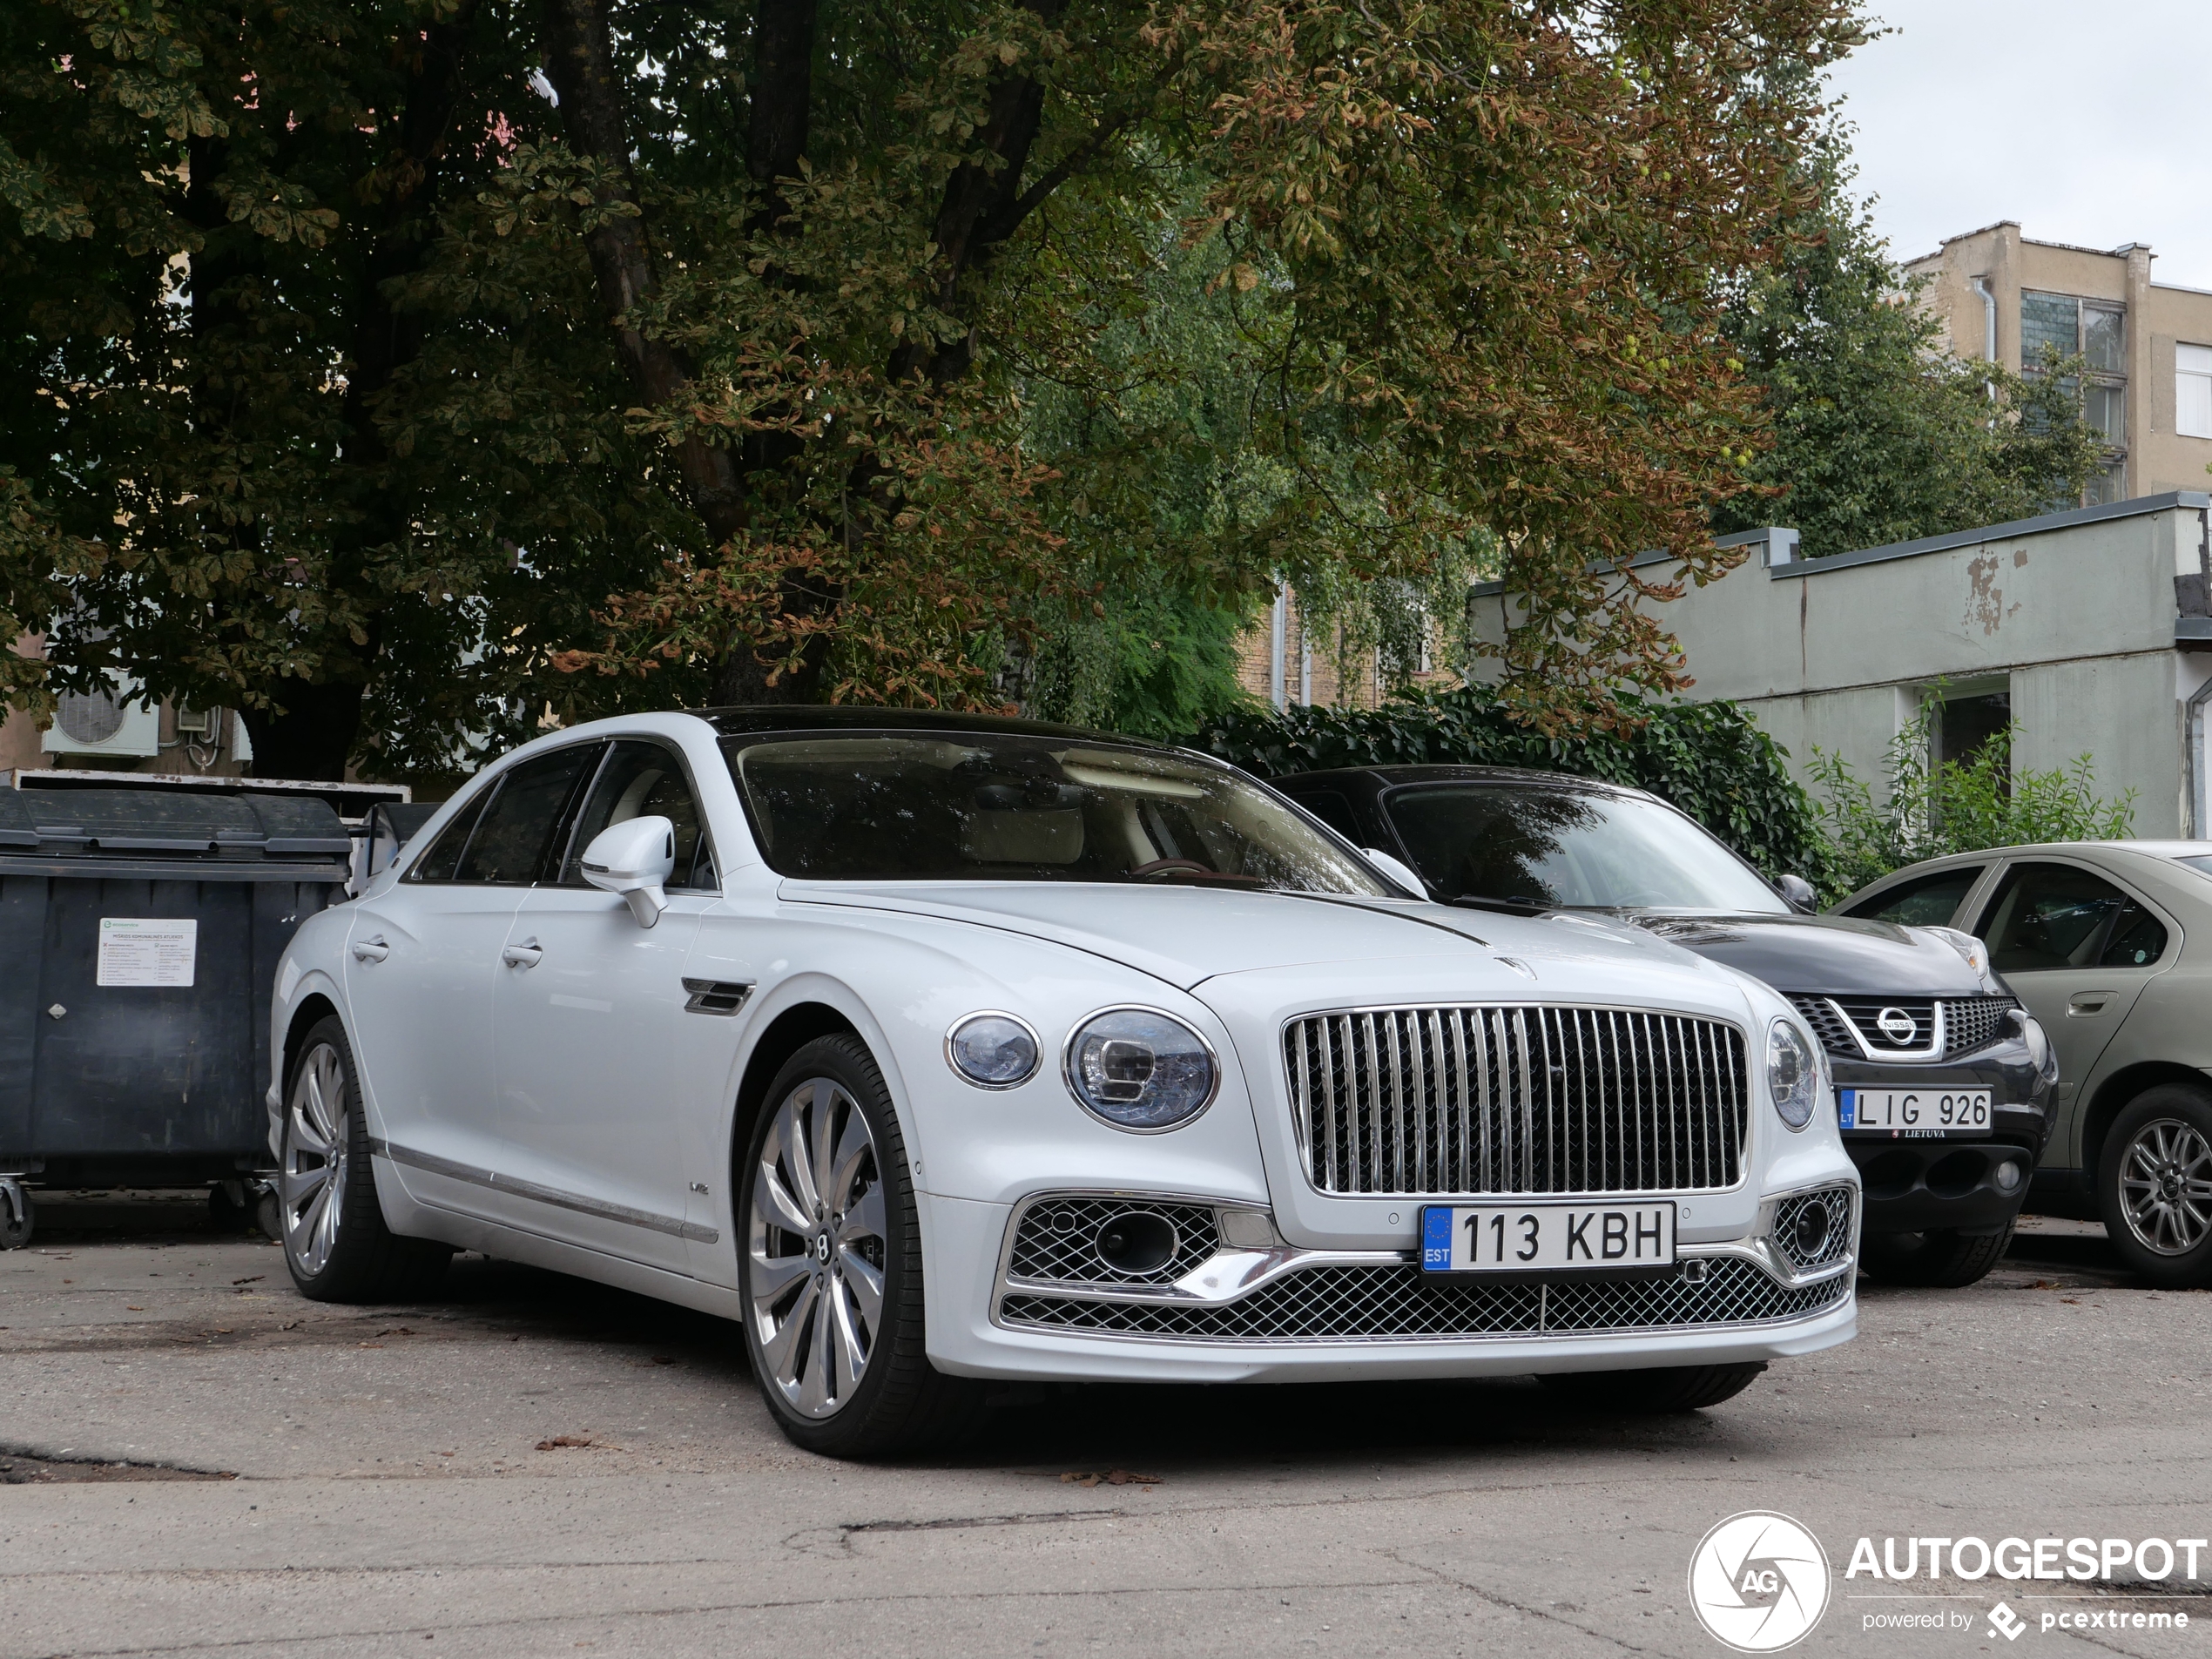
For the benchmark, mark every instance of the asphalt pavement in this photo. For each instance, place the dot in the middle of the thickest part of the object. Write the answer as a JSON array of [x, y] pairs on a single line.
[[195, 1461]]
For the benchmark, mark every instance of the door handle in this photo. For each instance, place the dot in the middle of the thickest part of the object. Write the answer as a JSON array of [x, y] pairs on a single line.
[[372, 949], [2083, 1003], [526, 955]]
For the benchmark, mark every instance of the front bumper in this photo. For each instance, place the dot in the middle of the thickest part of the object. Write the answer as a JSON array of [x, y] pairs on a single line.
[[1920, 1186], [1255, 1311]]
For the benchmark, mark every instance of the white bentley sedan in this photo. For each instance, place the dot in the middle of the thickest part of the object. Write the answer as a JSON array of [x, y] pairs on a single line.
[[936, 1048]]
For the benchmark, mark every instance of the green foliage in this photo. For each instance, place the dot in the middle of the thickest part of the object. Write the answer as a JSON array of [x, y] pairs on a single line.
[[1710, 760], [1927, 811], [1881, 434]]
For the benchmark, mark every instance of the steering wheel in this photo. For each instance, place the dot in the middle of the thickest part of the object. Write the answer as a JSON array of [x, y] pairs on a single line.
[[1161, 866]]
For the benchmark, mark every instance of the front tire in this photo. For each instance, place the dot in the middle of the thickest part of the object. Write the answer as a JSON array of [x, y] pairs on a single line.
[[1660, 1388], [830, 1265], [335, 1242], [1943, 1260], [2154, 1186]]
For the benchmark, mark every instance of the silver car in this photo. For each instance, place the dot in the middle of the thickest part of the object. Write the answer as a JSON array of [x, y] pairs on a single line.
[[2093, 937]]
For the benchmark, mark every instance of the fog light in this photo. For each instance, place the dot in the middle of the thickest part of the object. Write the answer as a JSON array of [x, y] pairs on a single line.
[[1137, 1241], [1812, 1230], [2008, 1177]]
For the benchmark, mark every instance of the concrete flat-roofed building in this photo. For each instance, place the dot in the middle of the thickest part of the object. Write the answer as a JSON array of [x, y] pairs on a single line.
[[2089, 628], [2147, 344]]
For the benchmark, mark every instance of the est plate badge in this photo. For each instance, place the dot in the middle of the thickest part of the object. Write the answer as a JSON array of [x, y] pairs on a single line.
[[1546, 1237]]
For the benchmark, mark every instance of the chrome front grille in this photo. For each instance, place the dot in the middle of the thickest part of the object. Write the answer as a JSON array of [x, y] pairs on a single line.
[[1517, 1099], [1382, 1304]]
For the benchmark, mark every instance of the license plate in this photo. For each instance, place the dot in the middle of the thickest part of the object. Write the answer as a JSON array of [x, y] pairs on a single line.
[[1546, 1237], [1914, 1114]]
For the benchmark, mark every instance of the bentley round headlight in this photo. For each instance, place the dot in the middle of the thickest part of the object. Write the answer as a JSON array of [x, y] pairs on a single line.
[[1140, 1071], [992, 1050], [1793, 1074]]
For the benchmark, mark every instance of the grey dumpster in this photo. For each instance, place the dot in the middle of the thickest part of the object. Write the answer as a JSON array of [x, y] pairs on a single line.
[[139, 933]]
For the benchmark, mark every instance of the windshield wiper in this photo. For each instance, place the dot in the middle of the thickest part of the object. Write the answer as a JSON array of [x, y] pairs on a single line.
[[1511, 907]]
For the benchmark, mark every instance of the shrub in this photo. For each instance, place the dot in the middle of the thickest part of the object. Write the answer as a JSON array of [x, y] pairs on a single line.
[[1710, 760], [1952, 806]]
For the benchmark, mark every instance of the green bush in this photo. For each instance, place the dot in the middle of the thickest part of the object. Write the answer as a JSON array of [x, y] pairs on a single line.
[[1710, 760], [1932, 810]]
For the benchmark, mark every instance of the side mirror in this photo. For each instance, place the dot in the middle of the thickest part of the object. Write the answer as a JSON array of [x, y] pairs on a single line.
[[1395, 870], [1799, 893], [634, 859]]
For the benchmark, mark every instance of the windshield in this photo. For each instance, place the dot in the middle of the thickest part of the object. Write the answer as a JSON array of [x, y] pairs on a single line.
[[1529, 844], [981, 807]]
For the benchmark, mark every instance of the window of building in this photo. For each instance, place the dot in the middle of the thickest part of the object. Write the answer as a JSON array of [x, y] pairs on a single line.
[[2095, 331], [2193, 391], [2110, 485], [2105, 408], [2053, 320]]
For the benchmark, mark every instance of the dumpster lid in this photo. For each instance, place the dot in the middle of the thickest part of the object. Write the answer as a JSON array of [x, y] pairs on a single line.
[[148, 823]]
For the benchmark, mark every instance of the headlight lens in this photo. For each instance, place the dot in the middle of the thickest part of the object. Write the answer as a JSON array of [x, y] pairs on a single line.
[[2039, 1046], [1139, 1069], [993, 1050], [1975, 953], [1793, 1074]]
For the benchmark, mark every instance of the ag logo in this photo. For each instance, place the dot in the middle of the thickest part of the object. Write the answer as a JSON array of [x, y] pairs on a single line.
[[1758, 1581], [1897, 1026]]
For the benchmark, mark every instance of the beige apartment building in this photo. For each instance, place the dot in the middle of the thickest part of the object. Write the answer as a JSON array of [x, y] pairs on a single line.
[[2147, 344]]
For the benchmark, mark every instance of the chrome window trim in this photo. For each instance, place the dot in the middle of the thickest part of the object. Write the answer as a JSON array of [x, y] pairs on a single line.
[[1301, 1131]]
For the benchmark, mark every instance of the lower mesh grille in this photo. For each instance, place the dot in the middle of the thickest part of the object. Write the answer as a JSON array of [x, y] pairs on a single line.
[[1387, 1303], [1055, 1241]]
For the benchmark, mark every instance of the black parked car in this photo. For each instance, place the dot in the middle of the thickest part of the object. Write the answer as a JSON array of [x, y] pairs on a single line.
[[1943, 1080]]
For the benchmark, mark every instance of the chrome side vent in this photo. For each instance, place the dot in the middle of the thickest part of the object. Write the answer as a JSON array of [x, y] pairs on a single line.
[[717, 995]]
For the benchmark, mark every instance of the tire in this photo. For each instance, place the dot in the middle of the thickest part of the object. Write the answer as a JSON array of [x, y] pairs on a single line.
[[2154, 1186], [1944, 1260], [829, 1263], [16, 1226], [335, 1242], [1666, 1389]]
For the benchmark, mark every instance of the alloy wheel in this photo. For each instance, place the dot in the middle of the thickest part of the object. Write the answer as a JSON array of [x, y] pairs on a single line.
[[2165, 1186], [311, 1182], [816, 1249]]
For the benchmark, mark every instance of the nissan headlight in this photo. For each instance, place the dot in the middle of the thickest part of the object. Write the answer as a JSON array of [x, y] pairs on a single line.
[[1793, 1074], [1139, 1070], [992, 1050], [2039, 1051]]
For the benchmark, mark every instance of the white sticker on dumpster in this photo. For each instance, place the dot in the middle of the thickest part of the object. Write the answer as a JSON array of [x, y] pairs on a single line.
[[146, 950]]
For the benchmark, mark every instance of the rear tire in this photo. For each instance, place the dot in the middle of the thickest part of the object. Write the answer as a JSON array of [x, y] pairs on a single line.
[[829, 1264], [1941, 1260], [335, 1242], [16, 1226], [2154, 1186], [1664, 1388]]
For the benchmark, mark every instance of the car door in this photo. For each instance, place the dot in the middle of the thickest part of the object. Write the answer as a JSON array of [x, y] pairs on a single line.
[[2079, 949], [585, 1014], [421, 964]]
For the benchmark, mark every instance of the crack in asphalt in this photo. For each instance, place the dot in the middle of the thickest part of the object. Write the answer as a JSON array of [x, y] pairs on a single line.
[[1509, 1605]]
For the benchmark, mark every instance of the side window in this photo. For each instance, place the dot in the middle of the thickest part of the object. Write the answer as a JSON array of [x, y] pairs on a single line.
[[2048, 916], [518, 829], [643, 780], [444, 858], [1929, 902], [1331, 809]]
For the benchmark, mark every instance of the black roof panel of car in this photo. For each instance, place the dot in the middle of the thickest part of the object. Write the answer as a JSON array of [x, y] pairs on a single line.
[[1394, 776], [746, 719]]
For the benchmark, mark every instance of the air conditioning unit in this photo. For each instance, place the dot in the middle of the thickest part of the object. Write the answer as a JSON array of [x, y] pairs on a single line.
[[105, 723]]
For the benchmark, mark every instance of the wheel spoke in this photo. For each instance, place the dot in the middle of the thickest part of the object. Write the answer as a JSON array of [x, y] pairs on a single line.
[[864, 1219], [773, 1275], [848, 1354], [309, 1229], [796, 1132], [816, 1394], [780, 1350], [298, 1183], [772, 1202], [304, 1136], [855, 1148], [827, 1099], [324, 1086], [866, 1287]]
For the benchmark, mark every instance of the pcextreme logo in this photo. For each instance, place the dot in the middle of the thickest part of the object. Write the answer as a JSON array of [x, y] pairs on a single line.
[[1758, 1581]]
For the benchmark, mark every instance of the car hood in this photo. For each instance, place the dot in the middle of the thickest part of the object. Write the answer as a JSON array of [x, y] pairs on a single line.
[[1188, 936], [1839, 956]]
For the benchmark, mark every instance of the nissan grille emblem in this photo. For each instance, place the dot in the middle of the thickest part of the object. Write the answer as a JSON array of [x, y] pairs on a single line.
[[1897, 1026]]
